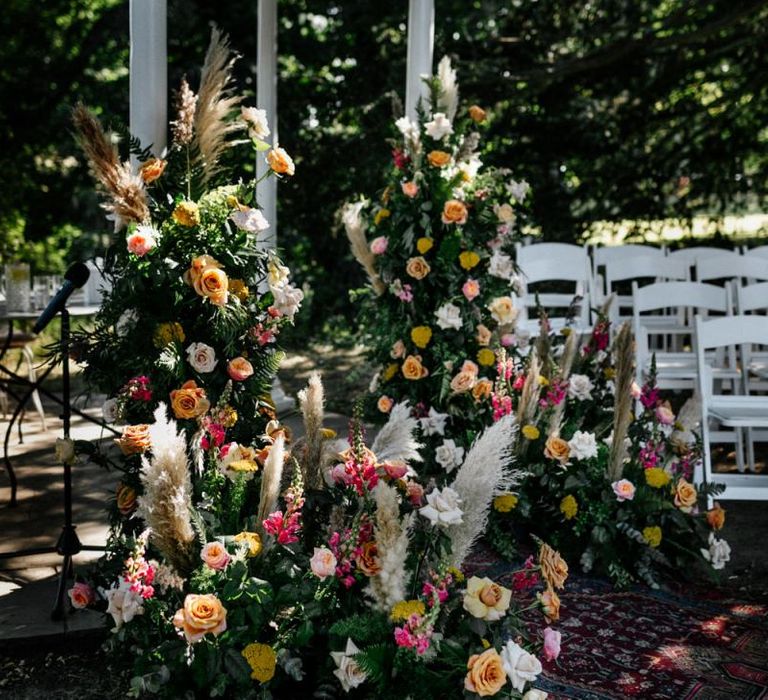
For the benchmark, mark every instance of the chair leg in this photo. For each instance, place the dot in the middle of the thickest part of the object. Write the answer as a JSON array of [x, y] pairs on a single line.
[[29, 357], [739, 448], [750, 450]]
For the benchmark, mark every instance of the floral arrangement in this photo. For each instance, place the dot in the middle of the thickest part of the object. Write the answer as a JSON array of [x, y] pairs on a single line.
[[441, 271], [344, 575], [610, 488]]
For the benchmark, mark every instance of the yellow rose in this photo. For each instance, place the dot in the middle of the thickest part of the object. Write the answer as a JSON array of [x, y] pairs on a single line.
[[390, 371], [421, 335], [656, 477], [134, 440], [424, 245], [482, 389], [483, 336], [438, 159], [505, 503], [569, 507], [405, 608], [463, 381], [167, 333], [239, 289], [201, 614], [189, 401], [280, 162], [252, 539], [550, 604], [262, 660], [381, 215], [454, 212], [152, 169], [469, 259], [485, 673], [485, 599], [503, 310], [186, 214], [213, 285], [553, 567], [685, 496], [477, 114], [125, 498], [652, 535], [486, 357], [557, 448], [716, 517], [417, 267], [413, 369], [530, 432]]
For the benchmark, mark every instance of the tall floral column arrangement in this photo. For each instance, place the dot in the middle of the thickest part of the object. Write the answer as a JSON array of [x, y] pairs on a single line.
[[438, 248]]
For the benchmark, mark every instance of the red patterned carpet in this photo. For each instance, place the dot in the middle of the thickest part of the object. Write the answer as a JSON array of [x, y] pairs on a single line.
[[654, 645]]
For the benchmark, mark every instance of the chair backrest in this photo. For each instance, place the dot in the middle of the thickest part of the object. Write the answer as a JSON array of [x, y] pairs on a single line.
[[760, 251], [731, 266], [752, 297], [665, 295], [696, 253], [644, 266], [618, 253], [551, 251]]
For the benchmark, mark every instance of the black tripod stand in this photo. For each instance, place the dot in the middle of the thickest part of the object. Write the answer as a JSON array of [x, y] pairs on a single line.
[[68, 544]]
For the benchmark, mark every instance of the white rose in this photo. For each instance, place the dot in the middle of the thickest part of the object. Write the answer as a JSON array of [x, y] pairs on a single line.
[[583, 445], [123, 603], [251, 220], [65, 450], [448, 316], [439, 127], [374, 385], [323, 563], [288, 300], [535, 694], [202, 357], [110, 410], [719, 552], [350, 675], [504, 213], [580, 387], [518, 190], [443, 507], [256, 119], [449, 455], [501, 265], [433, 423], [503, 310], [521, 667]]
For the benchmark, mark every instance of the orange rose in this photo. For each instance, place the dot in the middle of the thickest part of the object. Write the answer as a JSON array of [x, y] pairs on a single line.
[[463, 381], [417, 267], [152, 169], [125, 498], [485, 673], [554, 569], [280, 162], [197, 266], [410, 189], [214, 285], [413, 369], [134, 440], [550, 604], [200, 615], [189, 401], [385, 404], [438, 159], [368, 560], [685, 496], [557, 448], [716, 517], [239, 369], [454, 212], [477, 114], [482, 389]]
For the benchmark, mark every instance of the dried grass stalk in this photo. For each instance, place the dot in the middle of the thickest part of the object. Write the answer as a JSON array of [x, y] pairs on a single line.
[[622, 411], [125, 196], [270, 480], [311, 403], [183, 127], [566, 363], [358, 244], [396, 438], [530, 395], [448, 101]]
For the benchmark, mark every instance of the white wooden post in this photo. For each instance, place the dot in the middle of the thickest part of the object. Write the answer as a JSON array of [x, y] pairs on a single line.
[[149, 73], [266, 99], [421, 40]]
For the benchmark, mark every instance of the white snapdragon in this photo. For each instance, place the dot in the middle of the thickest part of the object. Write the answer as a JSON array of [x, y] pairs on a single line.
[[123, 603], [719, 552], [250, 220], [433, 423], [500, 265], [256, 120]]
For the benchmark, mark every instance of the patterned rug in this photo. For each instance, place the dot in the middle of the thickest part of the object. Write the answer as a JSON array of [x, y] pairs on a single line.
[[653, 645]]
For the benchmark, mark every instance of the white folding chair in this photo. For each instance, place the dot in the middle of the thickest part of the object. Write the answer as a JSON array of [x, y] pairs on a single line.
[[760, 251], [607, 255], [732, 266], [696, 253], [735, 411]]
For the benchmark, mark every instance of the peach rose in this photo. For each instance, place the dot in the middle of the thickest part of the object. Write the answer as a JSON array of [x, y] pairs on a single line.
[[196, 267], [125, 497], [417, 267], [368, 559], [81, 595], [214, 285], [685, 496], [485, 673], [215, 555], [477, 114], [470, 367], [554, 569], [454, 212], [323, 563], [239, 369], [503, 310], [410, 189], [201, 614], [438, 159], [557, 448], [134, 440], [550, 604], [463, 381], [280, 162], [716, 517], [152, 169], [482, 389], [483, 336], [384, 404], [470, 289], [189, 401], [398, 350], [413, 369]]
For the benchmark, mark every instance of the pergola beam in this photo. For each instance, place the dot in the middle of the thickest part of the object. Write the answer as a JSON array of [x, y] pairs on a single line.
[[421, 40], [266, 99]]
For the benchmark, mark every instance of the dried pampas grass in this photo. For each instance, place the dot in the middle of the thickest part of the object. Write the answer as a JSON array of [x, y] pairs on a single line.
[[564, 372], [358, 244], [484, 474], [183, 127], [310, 452], [448, 101], [622, 410], [396, 439], [166, 505], [215, 103], [126, 198], [270, 480]]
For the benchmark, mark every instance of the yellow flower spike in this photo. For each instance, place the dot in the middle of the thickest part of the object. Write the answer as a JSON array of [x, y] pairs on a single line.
[[421, 335], [486, 357], [187, 214], [609, 373], [652, 535], [232, 202], [262, 660], [239, 289], [569, 507], [469, 259], [565, 332], [457, 575], [424, 244], [405, 608], [381, 215], [542, 380], [243, 465], [505, 503], [390, 371], [531, 432]]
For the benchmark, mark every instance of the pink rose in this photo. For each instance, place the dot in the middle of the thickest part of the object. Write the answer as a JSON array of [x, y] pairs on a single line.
[[410, 189], [323, 563], [215, 555], [395, 470], [469, 367], [624, 490], [635, 390], [239, 369], [508, 340], [664, 414], [379, 245], [81, 595], [551, 644], [471, 289], [141, 241]]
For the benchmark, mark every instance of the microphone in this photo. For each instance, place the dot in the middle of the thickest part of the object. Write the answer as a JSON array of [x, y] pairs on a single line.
[[74, 278]]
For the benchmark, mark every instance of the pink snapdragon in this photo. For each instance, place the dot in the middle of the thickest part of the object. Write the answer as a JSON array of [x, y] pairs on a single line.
[[139, 573], [138, 389], [286, 526], [414, 634], [649, 396], [555, 394], [502, 406], [649, 455], [527, 578], [213, 436]]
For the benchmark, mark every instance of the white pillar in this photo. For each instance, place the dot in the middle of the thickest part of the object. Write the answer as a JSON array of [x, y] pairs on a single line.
[[149, 73], [421, 40], [266, 99]]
